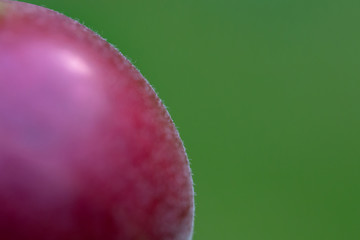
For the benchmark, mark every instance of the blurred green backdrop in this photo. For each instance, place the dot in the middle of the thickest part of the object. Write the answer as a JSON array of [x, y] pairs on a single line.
[[265, 95]]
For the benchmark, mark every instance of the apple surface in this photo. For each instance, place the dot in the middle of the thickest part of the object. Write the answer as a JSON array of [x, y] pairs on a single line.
[[87, 149]]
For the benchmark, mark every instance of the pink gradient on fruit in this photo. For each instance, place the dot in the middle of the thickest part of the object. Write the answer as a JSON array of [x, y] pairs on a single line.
[[87, 150]]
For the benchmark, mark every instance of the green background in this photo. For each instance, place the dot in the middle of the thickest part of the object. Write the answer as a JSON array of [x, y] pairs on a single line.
[[265, 94]]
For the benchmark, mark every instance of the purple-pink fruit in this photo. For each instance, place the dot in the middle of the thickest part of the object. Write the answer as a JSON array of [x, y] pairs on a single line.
[[87, 149]]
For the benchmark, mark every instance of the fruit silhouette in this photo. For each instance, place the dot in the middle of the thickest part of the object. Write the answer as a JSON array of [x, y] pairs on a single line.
[[87, 149]]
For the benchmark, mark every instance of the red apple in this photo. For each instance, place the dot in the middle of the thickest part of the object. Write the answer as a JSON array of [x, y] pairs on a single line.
[[87, 149]]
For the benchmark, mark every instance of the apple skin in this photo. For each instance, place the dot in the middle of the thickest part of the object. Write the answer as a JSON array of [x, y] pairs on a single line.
[[87, 149]]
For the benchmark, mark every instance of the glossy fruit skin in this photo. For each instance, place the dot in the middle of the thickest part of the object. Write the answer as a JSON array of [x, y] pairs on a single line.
[[87, 149]]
